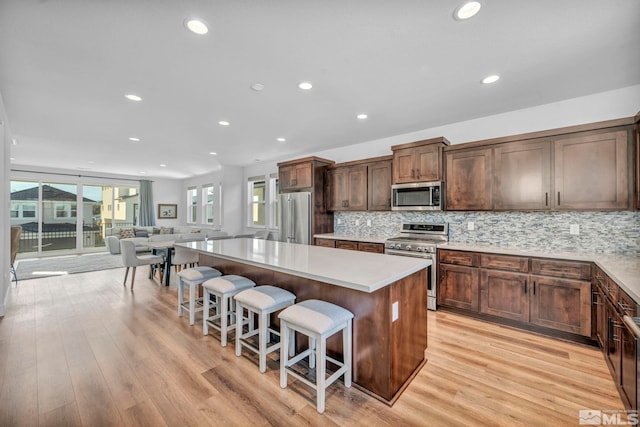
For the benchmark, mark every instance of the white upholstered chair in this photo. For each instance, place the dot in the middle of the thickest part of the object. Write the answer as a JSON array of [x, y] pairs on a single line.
[[184, 257], [131, 259]]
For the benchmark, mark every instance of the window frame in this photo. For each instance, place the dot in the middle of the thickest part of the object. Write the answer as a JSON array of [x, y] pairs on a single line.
[[192, 205]]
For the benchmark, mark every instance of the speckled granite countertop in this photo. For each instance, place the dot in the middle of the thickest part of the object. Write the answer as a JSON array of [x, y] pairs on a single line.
[[623, 269]]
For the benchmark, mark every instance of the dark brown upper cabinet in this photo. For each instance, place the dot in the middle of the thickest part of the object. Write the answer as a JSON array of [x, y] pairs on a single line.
[[522, 176], [468, 179], [359, 185], [300, 174], [418, 161]]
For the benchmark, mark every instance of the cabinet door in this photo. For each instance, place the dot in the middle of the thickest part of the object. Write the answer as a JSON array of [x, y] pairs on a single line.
[[404, 161], [376, 248], [327, 243], [592, 172], [561, 304], [345, 244], [297, 176], [458, 287], [428, 164], [522, 178], [357, 188], [612, 348], [337, 189], [468, 184], [599, 301], [628, 367], [379, 186], [504, 294]]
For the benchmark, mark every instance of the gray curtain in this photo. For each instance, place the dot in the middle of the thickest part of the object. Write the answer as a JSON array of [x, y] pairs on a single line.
[[147, 217]]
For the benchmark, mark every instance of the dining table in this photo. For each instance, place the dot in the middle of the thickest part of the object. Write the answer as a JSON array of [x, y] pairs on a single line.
[[166, 247]]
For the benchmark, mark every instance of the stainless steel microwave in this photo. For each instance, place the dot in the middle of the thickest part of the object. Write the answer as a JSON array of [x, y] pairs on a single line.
[[419, 196]]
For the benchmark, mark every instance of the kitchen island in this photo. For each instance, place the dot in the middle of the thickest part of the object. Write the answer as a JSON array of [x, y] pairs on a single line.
[[386, 294]]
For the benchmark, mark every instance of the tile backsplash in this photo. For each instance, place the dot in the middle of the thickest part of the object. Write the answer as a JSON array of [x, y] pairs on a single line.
[[601, 232]]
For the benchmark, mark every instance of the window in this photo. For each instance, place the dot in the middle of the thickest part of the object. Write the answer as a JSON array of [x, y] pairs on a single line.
[[23, 210], [274, 211], [257, 201], [207, 202], [192, 205]]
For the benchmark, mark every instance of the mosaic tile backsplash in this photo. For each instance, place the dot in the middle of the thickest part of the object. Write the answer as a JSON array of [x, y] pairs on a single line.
[[600, 232]]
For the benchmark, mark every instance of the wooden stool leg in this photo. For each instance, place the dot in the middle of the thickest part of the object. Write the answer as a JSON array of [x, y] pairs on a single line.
[[180, 297], [205, 311], [192, 303], [263, 330], [312, 354], [224, 321], [347, 350], [239, 321]]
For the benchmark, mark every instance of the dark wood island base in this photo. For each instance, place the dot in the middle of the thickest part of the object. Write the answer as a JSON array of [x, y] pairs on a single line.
[[387, 354]]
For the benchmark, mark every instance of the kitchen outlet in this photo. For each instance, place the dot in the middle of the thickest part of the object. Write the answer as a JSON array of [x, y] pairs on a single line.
[[471, 226], [394, 311], [574, 229], [357, 222], [368, 223]]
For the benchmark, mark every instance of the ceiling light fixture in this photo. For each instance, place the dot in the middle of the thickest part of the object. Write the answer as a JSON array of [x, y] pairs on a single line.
[[490, 79], [197, 26], [134, 139], [257, 87], [280, 139], [466, 10], [213, 153], [133, 97], [362, 116], [305, 85], [224, 123]]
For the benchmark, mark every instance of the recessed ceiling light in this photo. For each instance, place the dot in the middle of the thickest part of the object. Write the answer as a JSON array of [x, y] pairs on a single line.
[[280, 139], [257, 87], [491, 79], [133, 97], [12, 158], [197, 26], [305, 85], [362, 116], [142, 173], [162, 165], [466, 10], [224, 123], [134, 139], [213, 153]]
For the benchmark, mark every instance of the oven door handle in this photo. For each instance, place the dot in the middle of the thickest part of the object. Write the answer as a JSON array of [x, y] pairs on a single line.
[[425, 255]]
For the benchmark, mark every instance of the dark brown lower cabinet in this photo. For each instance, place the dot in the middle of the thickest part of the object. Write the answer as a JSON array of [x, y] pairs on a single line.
[[628, 367], [504, 294], [561, 304], [612, 345], [458, 287], [600, 324]]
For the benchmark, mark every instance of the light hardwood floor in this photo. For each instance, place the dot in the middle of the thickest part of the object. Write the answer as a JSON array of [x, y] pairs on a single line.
[[82, 350]]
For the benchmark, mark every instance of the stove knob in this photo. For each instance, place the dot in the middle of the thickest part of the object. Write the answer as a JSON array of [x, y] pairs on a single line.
[[408, 247], [420, 249], [398, 246]]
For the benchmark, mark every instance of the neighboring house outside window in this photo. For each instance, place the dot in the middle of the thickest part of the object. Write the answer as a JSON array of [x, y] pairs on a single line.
[[27, 210], [65, 210]]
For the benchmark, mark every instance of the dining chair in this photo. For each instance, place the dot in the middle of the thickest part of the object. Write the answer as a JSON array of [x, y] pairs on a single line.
[[131, 259], [16, 231], [184, 257]]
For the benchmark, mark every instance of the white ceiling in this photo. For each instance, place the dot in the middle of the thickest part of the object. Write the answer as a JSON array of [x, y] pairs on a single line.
[[65, 66]]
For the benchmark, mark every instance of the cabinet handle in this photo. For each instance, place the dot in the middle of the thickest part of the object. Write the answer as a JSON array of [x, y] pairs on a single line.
[[558, 198], [546, 199], [417, 173], [534, 287], [413, 173], [524, 287]]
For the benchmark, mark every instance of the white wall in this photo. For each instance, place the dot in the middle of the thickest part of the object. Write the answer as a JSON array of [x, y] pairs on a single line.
[[602, 106], [5, 233]]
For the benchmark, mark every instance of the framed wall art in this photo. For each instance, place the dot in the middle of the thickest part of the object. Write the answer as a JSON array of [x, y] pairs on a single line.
[[167, 211]]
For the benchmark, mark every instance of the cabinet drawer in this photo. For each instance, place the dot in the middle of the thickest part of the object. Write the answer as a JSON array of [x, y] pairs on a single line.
[[470, 259], [567, 269], [505, 262], [327, 243], [345, 244], [377, 248], [626, 304]]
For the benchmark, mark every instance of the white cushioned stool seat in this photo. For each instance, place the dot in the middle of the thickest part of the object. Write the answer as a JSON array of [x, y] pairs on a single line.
[[318, 320], [223, 288], [193, 277], [263, 301]]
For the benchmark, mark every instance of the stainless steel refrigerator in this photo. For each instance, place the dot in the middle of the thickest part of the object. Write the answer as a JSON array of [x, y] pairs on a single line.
[[295, 218]]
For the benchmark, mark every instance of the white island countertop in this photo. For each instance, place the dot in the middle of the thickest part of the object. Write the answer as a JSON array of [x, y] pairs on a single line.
[[361, 271]]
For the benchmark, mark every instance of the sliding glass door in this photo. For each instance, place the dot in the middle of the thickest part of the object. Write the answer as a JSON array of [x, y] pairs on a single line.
[[69, 217]]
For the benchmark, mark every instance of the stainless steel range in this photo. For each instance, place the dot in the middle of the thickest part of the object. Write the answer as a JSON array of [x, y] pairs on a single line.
[[419, 239]]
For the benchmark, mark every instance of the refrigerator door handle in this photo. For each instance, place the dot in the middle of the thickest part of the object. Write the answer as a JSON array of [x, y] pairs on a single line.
[[291, 237]]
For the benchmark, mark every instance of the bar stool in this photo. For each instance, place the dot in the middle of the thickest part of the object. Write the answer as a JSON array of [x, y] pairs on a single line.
[[262, 301], [318, 320], [224, 288], [193, 277]]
